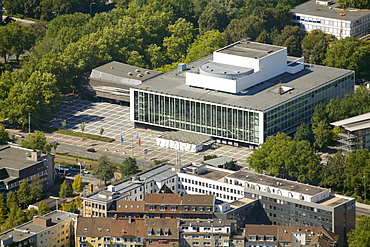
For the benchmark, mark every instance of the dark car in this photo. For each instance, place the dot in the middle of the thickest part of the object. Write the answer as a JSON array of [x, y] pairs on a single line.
[[91, 150]]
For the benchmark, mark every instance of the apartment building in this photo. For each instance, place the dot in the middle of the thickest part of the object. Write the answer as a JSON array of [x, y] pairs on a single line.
[[53, 229], [98, 203], [285, 202], [18, 164], [331, 18], [210, 233], [291, 236], [166, 206], [113, 231]]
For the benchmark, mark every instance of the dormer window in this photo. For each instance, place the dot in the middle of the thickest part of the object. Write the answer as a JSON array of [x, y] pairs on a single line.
[[173, 208], [186, 208], [150, 231], [158, 231], [162, 208], [166, 231], [152, 208], [85, 229]]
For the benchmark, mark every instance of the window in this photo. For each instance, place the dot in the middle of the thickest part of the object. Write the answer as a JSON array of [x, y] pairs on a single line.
[[152, 208], [207, 243], [185, 236], [207, 237], [196, 236], [162, 208], [160, 242], [195, 243], [173, 208]]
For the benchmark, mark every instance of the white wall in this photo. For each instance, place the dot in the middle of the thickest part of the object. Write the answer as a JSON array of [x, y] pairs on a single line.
[[216, 83], [235, 60], [274, 64]]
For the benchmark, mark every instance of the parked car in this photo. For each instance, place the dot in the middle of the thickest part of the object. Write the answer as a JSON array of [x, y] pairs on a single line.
[[92, 150], [19, 136], [84, 171]]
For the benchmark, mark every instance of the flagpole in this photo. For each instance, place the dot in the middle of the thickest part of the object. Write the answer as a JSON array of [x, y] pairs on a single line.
[[132, 145]]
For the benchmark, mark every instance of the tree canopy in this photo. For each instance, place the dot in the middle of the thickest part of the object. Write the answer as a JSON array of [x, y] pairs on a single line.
[[37, 141], [66, 189], [359, 237], [104, 170], [283, 157], [129, 167]]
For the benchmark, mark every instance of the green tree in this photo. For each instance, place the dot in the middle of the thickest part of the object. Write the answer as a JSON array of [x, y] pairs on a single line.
[[3, 209], [280, 156], [129, 167], [349, 53], [4, 134], [43, 209], [315, 45], [66, 189], [15, 217], [204, 45], [36, 191], [333, 175], [64, 123], [291, 37], [362, 4], [359, 237], [22, 38], [70, 207], [357, 171], [24, 194], [11, 200], [82, 126], [181, 37], [209, 157], [30, 213], [77, 184], [213, 18], [231, 165], [37, 141], [323, 135], [303, 133], [244, 28], [104, 170], [101, 130]]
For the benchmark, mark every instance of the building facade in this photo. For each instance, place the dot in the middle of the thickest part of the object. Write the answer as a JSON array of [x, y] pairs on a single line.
[[355, 133], [329, 17], [53, 229], [285, 202], [242, 93], [18, 164]]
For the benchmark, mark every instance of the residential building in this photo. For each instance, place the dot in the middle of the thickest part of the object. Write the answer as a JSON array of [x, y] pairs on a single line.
[[150, 181], [166, 206], [331, 18], [243, 93], [113, 80], [53, 229], [210, 233], [112, 231], [355, 133], [18, 164], [285, 202], [292, 236]]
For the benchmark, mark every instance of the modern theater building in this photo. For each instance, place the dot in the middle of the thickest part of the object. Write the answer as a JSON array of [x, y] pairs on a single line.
[[244, 92]]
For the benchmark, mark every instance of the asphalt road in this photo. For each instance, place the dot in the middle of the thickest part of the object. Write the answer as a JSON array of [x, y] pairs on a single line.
[[116, 157], [362, 209]]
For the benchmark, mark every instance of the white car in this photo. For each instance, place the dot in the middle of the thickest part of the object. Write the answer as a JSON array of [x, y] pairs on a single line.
[[19, 136], [85, 171]]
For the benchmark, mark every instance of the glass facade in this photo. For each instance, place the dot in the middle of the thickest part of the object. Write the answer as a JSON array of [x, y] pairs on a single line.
[[234, 123], [287, 116], [200, 117]]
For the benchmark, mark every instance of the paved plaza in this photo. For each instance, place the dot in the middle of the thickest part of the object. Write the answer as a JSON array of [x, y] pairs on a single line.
[[116, 122]]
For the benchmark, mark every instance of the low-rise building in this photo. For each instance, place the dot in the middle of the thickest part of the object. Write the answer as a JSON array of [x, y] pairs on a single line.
[[132, 189], [53, 229], [18, 164], [355, 133], [210, 233], [113, 231], [291, 236], [331, 18]]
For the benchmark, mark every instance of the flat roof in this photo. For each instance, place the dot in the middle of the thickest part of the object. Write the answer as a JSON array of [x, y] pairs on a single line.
[[15, 157], [331, 11], [250, 49], [334, 201], [241, 202], [260, 97], [217, 161], [158, 173], [127, 71], [354, 123], [185, 137], [284, 184], [212, 174]]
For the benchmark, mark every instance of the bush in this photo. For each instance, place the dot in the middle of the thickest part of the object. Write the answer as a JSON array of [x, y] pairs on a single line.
[[79, 134]]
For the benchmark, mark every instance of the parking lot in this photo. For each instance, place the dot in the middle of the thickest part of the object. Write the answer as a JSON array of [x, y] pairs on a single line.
[[116, 122]]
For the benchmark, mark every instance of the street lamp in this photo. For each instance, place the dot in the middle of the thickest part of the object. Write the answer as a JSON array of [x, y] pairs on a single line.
[[90, 8], [365, 187]]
